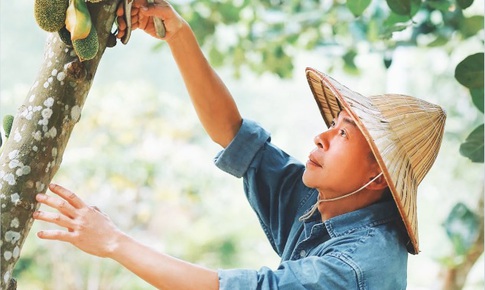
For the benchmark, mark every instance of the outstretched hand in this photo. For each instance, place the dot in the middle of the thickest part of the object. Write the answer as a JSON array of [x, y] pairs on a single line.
[[87, 227], [142, 15]]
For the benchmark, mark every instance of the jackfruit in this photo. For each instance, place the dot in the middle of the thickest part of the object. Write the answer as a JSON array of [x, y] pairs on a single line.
[[7, 125], [50, 14], [78, 19], [87, 48], [65, 36]]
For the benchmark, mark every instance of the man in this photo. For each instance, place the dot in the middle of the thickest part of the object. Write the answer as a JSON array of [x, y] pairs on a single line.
[[345, 220]]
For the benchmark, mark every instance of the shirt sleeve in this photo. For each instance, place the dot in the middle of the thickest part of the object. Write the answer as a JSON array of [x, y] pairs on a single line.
[[325, 273], [272, 183]]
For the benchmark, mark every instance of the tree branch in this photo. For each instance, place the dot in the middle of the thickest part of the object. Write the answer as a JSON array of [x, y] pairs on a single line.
[[41, 129]]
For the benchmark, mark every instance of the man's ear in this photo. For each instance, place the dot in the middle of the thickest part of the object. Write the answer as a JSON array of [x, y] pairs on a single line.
[[379, 183]]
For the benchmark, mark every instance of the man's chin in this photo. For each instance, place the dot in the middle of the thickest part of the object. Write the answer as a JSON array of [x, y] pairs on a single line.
[[307, 180]]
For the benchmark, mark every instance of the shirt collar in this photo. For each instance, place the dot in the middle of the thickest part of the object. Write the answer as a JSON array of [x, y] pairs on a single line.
[[375, 214]]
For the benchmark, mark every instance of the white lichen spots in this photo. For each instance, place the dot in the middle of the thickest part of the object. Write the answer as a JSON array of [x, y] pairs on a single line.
[[6, 277], [24, 170], [43, 122], [35, 84], [9, 178], [16, 252], [50, 80], [7, 255], [75, 113], [46, 85], [49, 102], [61, 76], [14, 163], [29, 111], [54, 72], [54, 152], [66, 50], [51, 53], [49, 64], [35, 148], [17, 137], [39, 186], [4, 206], [32, 98], [37, 135], [52, 133], [24, 126], [13, 154], [15, 223], [15, 198], [46, 113], [12, 237]]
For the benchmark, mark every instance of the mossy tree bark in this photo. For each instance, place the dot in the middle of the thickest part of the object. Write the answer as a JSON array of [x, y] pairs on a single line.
[[42, 127]]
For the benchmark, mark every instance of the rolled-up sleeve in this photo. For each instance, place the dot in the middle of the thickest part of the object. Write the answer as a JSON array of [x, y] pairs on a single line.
[[328, 272], [238, 155]]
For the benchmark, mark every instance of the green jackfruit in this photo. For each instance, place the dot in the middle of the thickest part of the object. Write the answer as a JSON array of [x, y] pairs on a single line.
[[65, 36], [50, 14], [7, 124], [87, 48]]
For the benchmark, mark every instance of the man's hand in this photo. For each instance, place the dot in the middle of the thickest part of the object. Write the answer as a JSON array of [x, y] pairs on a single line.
[[87, 227], [142, 15]]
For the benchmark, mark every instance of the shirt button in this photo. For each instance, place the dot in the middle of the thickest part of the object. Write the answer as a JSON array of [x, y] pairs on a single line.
[[302, 253]]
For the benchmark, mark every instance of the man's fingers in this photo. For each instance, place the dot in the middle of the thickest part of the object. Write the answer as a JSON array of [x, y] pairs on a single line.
[[61, 205], [55, 235], [67, 195], [55, 218], [121, 10]]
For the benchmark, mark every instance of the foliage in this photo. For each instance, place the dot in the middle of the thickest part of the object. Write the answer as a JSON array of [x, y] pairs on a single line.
[[462, 228], [267, 34]]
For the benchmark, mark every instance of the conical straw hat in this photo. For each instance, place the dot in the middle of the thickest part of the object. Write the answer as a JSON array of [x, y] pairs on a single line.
[[403, 132]]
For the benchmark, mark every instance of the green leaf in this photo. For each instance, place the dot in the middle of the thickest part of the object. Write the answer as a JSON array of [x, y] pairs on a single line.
[[404, 7], [401, 7], [357, 7], [462, 228], [469, 72], [464, 4], [440, 40], [7, 124], [472, 148], [477, 98], [442, 5], [349, 62], [470, 26]]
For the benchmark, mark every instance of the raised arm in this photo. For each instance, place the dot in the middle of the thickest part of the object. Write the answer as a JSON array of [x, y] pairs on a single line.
[[212, 100]]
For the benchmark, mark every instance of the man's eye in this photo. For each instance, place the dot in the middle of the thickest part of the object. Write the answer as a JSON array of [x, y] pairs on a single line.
[[343, 133], [332, 124]]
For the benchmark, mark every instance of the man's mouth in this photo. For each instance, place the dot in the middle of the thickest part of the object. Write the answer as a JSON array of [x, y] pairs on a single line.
[[311, 162]]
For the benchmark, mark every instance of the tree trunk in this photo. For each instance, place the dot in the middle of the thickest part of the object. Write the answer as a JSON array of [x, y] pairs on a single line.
[[33, 153]]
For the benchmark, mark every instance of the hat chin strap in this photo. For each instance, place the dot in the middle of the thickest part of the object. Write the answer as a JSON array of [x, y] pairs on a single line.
[[315, 206]]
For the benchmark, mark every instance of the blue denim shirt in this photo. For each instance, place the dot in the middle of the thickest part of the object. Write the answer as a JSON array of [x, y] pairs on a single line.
[[362, 249]]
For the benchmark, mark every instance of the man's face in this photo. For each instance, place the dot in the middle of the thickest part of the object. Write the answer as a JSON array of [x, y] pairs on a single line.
[[341, 162]]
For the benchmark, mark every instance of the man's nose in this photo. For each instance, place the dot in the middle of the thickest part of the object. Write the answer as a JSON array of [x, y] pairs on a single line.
[[321, 140]]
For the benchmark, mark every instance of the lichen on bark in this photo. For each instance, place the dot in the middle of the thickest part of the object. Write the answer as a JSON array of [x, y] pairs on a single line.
[[40, 132]]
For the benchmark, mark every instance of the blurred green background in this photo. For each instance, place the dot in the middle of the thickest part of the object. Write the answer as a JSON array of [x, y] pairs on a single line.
[[140, 154]]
